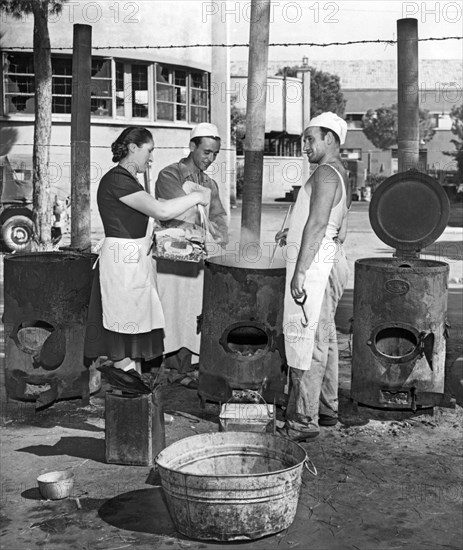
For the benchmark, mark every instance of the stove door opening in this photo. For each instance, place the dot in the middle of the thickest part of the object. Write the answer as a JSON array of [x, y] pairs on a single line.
[[395, 343], [246, 339]]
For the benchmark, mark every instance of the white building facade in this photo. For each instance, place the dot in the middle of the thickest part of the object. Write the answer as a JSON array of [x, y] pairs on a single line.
[[140, 77]]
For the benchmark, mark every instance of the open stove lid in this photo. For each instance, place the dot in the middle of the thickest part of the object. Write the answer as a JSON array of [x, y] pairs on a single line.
[[409, 211]]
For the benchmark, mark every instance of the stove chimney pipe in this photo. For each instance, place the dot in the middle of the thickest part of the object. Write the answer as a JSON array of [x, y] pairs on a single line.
[[255, 122], [407, 94], [80, 138]]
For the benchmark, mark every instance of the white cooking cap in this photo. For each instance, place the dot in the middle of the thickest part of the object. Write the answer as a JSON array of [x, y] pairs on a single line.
[[204, 129], [333, 122]]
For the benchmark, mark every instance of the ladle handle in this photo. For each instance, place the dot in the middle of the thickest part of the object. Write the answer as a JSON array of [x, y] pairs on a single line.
[[286, 217], [282, 227]]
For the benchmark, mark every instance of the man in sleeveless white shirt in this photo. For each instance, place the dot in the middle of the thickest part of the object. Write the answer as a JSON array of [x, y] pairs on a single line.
[[315, 281]]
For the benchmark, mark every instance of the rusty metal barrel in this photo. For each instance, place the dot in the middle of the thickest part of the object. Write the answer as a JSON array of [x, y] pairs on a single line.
[[242, 345], [46, 303], [399, 326], [400, 303]]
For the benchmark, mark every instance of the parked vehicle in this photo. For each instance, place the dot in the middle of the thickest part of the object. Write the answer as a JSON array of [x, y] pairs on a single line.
[[16, 225]]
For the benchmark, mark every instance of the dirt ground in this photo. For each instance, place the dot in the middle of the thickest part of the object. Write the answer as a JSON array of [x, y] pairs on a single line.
[[383, 482]]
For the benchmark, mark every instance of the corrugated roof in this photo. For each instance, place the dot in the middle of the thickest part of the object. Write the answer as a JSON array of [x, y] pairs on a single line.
[[374, 74]]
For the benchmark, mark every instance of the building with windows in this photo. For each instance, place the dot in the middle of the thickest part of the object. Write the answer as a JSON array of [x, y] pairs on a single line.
[[140, 76], [288, 109], [120, 89], [368, 85], [372, 84]]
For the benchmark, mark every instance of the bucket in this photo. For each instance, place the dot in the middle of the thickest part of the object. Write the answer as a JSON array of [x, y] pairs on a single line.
[[56, 485], [232, 485]]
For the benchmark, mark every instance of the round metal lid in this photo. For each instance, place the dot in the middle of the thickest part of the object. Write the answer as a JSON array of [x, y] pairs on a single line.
[[409, 211]]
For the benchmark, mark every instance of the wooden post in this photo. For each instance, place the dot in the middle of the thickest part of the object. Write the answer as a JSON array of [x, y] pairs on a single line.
[[255, 122], [80, 138], [408, 141]]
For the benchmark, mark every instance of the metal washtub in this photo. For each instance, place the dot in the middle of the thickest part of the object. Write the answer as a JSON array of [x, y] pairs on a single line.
[[232, 485]]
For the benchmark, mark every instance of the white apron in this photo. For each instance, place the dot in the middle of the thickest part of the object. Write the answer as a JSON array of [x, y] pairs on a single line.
[[180, 286], [300, 339], [181, 292], [129, 297]]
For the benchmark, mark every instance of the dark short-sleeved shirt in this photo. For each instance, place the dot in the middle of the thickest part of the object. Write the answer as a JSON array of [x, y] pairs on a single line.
[[169, 186], [120, 220]]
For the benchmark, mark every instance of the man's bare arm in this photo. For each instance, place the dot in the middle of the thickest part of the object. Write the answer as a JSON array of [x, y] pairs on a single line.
[[324, 185]]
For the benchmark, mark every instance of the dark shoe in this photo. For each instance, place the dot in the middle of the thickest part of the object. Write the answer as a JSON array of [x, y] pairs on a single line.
[[296, 435], [327, 420]]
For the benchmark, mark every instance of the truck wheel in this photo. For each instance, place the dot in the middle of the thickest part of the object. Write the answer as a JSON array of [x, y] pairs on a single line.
[[17, 232]]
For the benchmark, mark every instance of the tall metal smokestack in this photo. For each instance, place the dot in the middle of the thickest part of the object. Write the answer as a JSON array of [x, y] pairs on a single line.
[[255, 122], [407, 94], [80, 137]]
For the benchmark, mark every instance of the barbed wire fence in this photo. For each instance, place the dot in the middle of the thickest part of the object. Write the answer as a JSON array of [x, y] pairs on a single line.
[[246, 45]]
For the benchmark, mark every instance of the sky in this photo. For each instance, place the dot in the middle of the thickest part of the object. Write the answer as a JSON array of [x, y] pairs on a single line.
[[347, 20], [312, 21]]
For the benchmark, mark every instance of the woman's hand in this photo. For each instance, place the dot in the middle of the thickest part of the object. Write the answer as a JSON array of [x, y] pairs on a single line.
[[203, 195], [190, 186], [280, 237]]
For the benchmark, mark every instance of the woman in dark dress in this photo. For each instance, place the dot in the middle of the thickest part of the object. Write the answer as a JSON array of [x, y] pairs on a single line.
[[125, 320]]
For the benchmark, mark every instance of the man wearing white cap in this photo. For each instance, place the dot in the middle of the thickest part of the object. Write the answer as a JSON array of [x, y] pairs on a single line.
[[180, 284], [315, 280]]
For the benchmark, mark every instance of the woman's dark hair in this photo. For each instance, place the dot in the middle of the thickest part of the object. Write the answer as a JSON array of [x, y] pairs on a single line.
[[134, 134]]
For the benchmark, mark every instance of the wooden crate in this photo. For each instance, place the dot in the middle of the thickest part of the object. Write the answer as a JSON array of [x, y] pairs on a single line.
[[134, 432]]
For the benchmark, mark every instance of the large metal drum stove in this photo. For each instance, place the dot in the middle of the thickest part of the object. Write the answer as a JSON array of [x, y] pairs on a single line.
[[242, 343], [400, 303], [46, 302]]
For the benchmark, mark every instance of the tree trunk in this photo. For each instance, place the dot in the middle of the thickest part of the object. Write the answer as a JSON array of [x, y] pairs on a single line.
[[42, 214]]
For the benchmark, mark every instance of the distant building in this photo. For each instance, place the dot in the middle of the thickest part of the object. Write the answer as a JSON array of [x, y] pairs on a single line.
[[372, 84], [166, 90], [288, 107]]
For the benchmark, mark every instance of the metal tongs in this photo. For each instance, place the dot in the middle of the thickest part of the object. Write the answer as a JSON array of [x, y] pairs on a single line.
[[305, 320], [203, 225]]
